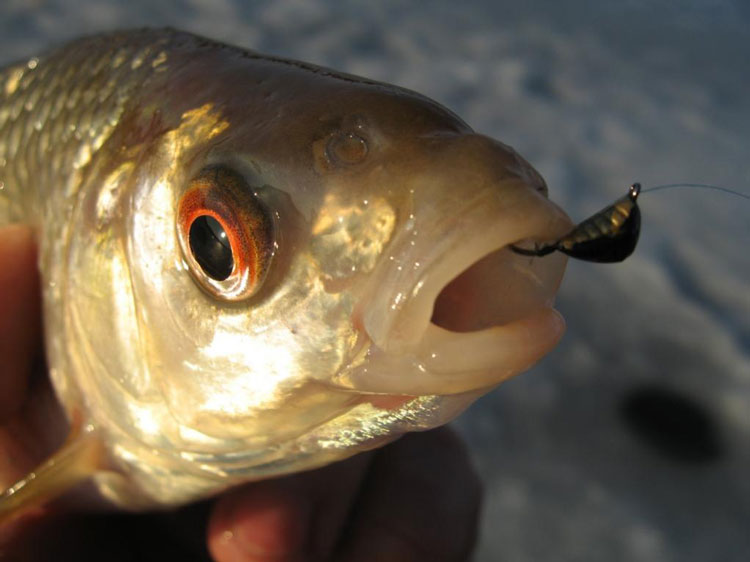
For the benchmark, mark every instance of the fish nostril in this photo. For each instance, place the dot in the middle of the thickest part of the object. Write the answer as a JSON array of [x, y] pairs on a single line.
[[346, 149], [674, 425]]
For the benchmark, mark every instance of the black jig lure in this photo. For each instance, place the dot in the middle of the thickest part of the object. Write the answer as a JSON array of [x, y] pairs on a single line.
[[608, 236]]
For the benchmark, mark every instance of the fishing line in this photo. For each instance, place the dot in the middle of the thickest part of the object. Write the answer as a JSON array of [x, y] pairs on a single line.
[[699, 186]]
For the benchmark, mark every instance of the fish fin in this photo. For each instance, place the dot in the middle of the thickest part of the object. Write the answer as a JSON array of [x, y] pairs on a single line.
[[77, 459]]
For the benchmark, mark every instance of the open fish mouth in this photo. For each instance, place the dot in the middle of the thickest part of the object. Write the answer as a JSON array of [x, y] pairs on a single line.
[[473, 313], [496, 315]]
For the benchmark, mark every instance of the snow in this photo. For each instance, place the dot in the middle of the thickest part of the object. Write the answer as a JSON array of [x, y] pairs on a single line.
[[596, 96]]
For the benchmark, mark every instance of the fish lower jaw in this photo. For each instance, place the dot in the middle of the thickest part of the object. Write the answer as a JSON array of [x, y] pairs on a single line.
[[510, 348], [447, 362]]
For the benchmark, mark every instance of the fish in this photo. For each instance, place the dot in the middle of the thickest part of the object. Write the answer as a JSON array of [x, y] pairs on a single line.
[[253, 266]]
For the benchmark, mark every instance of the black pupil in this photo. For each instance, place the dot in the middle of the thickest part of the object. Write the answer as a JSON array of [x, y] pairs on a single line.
[[211, 248]]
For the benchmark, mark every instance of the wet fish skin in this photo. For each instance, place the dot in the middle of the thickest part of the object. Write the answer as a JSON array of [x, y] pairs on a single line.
[[188, 394]]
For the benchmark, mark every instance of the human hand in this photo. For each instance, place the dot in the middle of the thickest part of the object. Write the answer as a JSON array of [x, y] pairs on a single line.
[[416, 499]]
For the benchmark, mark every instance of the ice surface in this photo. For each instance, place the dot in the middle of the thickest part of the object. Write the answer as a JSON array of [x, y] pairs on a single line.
[[595, 95]]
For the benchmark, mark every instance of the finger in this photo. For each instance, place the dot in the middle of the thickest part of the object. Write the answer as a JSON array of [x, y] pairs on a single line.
[[336, 488], [19, 315], [287, 519], [265, 521], [421, 502]]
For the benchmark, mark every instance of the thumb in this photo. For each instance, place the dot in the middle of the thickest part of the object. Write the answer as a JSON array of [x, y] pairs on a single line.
[[20, 325]]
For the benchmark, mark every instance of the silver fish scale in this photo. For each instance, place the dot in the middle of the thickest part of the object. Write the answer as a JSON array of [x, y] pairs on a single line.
[[57, 111]]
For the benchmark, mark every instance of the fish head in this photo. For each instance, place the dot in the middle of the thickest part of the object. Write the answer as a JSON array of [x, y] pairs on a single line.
[[295, 265]]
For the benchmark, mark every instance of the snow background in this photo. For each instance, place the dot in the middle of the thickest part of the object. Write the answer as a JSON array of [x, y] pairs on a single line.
[[595, 95]]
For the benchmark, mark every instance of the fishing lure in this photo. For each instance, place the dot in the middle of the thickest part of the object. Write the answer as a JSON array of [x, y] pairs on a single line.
[[608, 236]]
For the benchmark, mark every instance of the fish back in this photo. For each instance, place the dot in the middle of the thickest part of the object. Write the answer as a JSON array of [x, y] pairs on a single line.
[[58, 110]]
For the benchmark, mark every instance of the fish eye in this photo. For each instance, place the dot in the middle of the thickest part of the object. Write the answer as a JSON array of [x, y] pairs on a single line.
[[210, 246], [226, 234]]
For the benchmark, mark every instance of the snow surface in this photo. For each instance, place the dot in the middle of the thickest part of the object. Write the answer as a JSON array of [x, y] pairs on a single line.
[[595, 95]]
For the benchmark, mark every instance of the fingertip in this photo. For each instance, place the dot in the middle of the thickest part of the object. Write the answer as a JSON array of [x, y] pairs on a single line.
[[262, 522]]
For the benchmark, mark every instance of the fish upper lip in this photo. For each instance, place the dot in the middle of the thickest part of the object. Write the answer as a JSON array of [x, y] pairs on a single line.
[[410, 354]]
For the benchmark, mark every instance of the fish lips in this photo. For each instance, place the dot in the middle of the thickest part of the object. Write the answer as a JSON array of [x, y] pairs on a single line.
[[453, 309]]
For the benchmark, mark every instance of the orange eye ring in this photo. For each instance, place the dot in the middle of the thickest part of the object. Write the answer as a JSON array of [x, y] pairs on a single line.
[[225, 233]]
